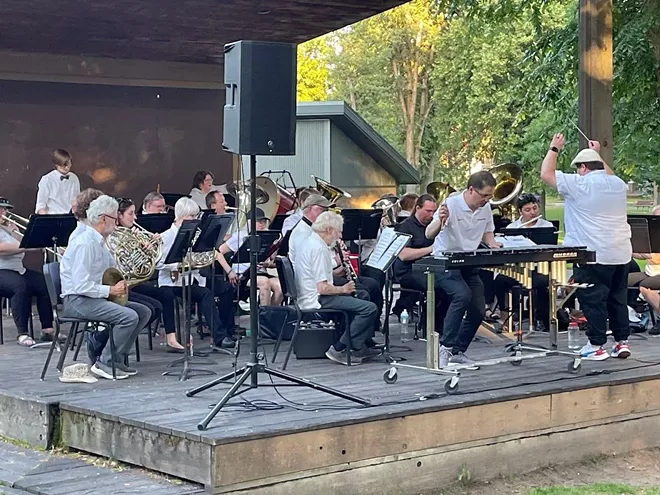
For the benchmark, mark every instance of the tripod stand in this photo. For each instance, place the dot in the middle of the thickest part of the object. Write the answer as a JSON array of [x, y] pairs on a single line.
[[255, 365]]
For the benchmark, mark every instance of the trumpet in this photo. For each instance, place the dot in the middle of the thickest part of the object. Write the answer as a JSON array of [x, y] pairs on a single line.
[[21, 224]]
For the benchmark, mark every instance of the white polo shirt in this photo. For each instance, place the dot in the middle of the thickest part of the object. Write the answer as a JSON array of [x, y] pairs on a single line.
[[595, 215], [298, 237], [291, 221], [539, 223], [464, 228], [314, 265]]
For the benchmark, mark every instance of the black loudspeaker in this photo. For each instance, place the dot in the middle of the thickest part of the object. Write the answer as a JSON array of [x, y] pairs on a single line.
[[260, 105]]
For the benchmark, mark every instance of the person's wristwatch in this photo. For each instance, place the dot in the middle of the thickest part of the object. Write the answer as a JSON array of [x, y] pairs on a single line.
[[554, 148]]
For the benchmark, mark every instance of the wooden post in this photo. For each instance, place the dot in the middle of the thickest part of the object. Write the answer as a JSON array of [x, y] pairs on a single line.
[[595, 78]]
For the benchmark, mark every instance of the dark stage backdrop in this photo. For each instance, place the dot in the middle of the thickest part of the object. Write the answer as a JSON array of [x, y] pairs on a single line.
[[124, 140]]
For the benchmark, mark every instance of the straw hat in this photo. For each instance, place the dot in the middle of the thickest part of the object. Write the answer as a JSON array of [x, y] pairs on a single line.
[[77, 373]]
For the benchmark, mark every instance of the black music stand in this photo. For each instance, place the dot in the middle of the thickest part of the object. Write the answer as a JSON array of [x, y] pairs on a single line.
[[361, 225], [48, 231], [213, 228], [172, 198], [538, 235], [156, 223], [180, 251], [386, 251], [255, 365]]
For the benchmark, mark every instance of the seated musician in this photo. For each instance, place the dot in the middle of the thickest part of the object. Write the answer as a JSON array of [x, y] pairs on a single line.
[[650, 277], [20, 284], [462, 223], [215, 201], [418, 247], [270, 290], [314, 205], [79, 208], [154, 202], [314, 281], [202, 184], [529, 211], [169, 277], [84, 296], [160, 302], [295, 217], [408, 204]]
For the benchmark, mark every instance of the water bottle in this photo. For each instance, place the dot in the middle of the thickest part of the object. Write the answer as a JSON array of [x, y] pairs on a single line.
[[405, 331], [573, 336]]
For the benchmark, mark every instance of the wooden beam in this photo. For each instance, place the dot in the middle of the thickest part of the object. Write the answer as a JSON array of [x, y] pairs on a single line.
[[81, 69], [595, 76]]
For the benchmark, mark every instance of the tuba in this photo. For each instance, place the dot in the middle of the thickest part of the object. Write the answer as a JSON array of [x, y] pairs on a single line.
[[391, 209], [440, 190], [136, 254], [328, 191], [508, 184]]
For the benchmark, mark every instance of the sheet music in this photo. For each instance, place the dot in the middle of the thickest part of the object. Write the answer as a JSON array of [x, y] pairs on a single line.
[[389, 245], [509, 241]]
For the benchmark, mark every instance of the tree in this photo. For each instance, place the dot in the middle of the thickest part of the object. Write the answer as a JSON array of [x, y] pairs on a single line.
[[312, 76]]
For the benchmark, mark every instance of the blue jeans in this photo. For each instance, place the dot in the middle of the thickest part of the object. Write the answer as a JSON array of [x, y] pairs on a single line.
[[467, 307]]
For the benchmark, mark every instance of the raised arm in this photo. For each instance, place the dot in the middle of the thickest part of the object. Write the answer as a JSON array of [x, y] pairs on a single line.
[[434, 228], [549, 165], [595, 145]]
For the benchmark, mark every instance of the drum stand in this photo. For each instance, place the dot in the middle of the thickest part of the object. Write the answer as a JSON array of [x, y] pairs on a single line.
[[556, 272]]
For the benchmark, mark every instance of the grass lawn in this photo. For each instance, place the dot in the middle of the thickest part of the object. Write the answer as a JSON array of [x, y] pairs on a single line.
[[596, 489]]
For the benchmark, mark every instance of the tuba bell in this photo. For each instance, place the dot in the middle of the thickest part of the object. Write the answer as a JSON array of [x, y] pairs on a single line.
[[508, 185], [391, 209], [328, 191], [440, 190], [136, 254]]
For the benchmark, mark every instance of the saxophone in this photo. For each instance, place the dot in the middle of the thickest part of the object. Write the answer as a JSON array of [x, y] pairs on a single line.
[[340, 248]]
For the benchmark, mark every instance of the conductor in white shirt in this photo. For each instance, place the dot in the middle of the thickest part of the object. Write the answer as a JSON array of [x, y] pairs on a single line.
[[595, 217], [462, 223], [58, 188], [84, 296], [316, 289]]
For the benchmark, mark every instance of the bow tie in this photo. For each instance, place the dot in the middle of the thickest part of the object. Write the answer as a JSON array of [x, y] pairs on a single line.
[[64, 177]]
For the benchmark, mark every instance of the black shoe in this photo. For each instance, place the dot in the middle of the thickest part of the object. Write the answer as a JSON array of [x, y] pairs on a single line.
[[227, 342], [655, 330]]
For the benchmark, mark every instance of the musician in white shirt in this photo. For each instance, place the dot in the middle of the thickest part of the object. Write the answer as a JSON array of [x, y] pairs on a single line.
[[292, 220], [79, 208], [595, 216], [85, 297], [154, 202], [169, 277], [57, 188], [316, 289], [529, 217], [462, 223], [201, 186]]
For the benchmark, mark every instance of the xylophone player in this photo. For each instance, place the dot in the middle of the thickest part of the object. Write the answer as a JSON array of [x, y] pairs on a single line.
[[595, 216], [462, 223]]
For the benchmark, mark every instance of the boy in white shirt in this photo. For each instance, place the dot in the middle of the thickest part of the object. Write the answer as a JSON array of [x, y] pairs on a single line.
[[58, 188]]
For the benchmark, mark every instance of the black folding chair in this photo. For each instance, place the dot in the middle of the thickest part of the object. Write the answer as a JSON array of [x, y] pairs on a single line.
[[54, 285], [290, 291]]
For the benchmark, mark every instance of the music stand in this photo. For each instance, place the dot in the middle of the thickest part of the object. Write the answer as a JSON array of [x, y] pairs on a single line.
[[156, 223], [180, 251], [213, 228], [361, 225], [48, 231], [255, 365], [538, 235], [283, 250], [389, 246], [640, 235], [172, 198]]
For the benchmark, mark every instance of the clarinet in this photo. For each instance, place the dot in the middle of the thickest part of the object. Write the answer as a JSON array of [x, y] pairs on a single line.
[[346, 264]]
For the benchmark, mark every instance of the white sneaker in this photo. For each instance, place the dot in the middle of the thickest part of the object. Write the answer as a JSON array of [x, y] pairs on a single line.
[[621, 350], [445, 356], [593, 352], [460, 358]]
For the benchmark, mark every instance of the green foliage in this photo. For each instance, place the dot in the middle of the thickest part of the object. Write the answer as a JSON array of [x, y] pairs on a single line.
[[596, 489], [312, 75]]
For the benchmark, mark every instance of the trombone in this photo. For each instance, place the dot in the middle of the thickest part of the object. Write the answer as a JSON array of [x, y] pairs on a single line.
[[22, 223]]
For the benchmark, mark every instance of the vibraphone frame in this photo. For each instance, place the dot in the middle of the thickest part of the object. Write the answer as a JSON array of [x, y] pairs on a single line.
[[522, 272]]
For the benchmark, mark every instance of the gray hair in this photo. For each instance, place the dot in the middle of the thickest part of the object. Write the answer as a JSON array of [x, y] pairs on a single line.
[[185, 207], [328, 220], [103, 205], [150, 198]]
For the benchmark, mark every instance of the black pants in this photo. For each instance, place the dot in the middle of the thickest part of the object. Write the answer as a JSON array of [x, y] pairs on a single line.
[[377, 275], [606, 298], [166, 300], [203, 297], [541, 298], [224, 293], [21, 289], [487, 278], [154, 305], [417, 281], [465, 291]]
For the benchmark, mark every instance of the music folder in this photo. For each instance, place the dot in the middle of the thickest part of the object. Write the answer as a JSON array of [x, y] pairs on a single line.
[[388, 247]]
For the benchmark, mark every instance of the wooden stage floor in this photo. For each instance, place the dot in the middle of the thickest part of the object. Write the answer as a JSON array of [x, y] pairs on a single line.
[[291, 440]]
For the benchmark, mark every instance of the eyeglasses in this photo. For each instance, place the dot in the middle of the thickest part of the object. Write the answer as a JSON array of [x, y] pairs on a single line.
[[484, 196], [111, 217]]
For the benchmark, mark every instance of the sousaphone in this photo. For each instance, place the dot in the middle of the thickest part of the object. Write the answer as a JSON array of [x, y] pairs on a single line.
[[440, 190], [328, 191], [508, 185]]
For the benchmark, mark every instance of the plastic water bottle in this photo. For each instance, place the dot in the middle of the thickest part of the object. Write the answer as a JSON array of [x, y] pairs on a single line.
[[405, 331], [573, 336]]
